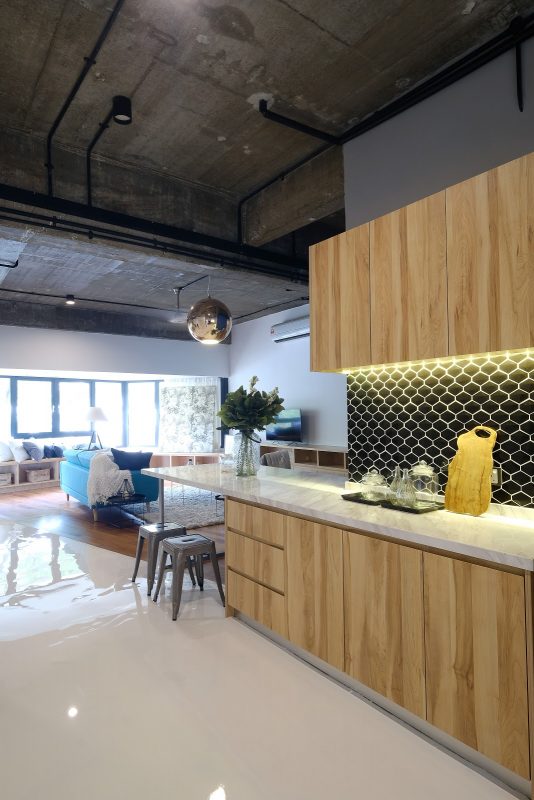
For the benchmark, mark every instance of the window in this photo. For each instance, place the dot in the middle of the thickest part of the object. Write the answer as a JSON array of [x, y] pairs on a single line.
[[5, 409], [109, 397], [142, 414], [74, 403], [34, 407]]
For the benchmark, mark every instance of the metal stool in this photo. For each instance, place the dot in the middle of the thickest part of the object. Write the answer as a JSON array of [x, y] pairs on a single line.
[[154, 534], [181, 549]]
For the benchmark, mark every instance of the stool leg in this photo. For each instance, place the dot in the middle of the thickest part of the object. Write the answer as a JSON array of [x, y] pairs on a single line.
[[161, 573], [138, 554], [200, 572], [177, 581], [191, 573], [152, 560], [215, 565]]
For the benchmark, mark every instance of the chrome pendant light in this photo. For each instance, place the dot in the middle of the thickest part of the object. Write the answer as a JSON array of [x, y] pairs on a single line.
[[209, 320]]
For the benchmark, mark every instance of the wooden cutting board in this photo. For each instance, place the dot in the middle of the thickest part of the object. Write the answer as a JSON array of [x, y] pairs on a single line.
[[468, 489]]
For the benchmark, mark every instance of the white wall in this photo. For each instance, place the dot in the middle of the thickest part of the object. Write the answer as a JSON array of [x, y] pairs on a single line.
[[468, 128], [321, 397], [40, 349]]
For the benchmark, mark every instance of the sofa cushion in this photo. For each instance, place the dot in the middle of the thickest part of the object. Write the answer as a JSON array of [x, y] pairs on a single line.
[[5, 452], [82, 457], [126, 460], [34, 451]]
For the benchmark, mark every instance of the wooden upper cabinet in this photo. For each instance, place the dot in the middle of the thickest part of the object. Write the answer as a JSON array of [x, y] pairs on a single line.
[[476, 658], [315, 589], [409, 283], [490, 260], [339, 301], [384, 627]]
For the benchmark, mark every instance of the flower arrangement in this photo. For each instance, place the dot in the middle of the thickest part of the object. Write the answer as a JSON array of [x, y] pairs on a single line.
[[252, 410], [246, 412]]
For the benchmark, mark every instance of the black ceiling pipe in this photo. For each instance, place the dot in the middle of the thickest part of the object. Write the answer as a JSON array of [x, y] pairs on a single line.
[[263, 108], [89, 61], [121, 113], [520, 30]]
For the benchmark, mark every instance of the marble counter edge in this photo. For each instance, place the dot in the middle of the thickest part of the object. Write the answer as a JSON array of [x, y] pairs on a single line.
[[386, 530]]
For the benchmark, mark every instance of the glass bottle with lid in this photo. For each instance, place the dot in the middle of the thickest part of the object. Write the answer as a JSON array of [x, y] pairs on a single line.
[[425, 481]]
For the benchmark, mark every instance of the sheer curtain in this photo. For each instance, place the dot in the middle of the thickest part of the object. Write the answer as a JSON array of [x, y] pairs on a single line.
[[188, 420]]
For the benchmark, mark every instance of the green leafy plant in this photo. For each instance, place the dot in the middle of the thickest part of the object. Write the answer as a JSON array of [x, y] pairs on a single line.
[[250, 410]]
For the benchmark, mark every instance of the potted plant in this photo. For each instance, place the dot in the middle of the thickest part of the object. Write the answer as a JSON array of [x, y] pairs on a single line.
[[248, 411]]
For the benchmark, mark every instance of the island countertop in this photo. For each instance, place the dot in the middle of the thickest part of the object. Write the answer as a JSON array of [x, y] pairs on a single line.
[[504, 535]]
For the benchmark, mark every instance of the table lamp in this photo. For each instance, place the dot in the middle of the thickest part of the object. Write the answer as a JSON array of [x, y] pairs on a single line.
[[95, 414]]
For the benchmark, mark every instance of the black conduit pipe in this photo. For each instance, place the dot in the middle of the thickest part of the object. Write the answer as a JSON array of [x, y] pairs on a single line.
[[89, 61]]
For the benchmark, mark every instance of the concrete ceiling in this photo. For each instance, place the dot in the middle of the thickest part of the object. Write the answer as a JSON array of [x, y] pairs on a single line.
[[195, 70]]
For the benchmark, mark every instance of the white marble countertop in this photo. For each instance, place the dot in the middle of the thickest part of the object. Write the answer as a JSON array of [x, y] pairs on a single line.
[[504, 535]]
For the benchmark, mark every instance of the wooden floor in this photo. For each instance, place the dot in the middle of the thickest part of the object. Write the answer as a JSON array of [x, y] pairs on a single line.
[[49, 509]]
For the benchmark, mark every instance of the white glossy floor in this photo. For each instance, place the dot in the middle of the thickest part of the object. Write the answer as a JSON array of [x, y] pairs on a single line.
[[102, 697]]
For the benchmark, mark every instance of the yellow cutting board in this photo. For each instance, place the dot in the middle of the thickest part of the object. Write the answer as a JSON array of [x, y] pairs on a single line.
[[468, 489]]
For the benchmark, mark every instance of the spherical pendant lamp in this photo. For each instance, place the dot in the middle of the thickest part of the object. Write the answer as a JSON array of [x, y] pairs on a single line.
[[209, 321]]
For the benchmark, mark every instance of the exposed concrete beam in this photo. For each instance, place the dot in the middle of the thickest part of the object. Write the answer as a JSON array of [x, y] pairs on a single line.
[[311, 192], [36, 315]]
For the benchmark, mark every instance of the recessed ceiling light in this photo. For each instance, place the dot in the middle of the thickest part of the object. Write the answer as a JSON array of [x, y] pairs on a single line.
[[72, 712], [69, 300]]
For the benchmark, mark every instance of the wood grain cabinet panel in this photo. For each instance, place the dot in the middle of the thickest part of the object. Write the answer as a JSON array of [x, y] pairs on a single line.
[[339, 301], [256, 560], [408, 279], [476, 668], [315, 589], [265, 526], [490, 260], [384, 620], [257, 602]]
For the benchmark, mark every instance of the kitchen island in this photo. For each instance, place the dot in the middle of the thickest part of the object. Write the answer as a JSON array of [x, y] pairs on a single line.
[[431, 613]]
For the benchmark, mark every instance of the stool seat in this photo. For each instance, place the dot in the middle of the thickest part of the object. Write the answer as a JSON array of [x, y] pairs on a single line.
[[181, 549], [154, 534]]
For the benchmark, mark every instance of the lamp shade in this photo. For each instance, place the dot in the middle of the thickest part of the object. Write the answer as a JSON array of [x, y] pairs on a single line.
[[95, 414]]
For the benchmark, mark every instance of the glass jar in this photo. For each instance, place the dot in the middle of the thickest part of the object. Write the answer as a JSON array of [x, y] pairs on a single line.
[[372, 485], [425, 481]]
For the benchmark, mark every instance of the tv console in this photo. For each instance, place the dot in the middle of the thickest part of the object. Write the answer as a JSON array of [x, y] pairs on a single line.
[[311, 456]]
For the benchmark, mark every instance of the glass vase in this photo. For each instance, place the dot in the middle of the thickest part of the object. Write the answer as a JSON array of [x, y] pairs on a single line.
[[246, 453]]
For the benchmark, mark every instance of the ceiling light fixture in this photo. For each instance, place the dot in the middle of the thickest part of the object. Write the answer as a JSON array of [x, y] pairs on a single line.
[[69, 300], [209, 320], [122, 109], [121, 113]]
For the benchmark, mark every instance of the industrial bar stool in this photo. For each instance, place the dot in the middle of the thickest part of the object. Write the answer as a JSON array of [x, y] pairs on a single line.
[[181, 549], [154, 534]]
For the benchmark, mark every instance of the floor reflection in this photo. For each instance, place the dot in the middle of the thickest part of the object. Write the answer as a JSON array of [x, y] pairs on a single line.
[[29, 561]]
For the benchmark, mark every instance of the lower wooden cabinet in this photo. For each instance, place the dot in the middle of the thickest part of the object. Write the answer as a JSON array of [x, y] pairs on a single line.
[[257, 602], [476, 658], [315, 589], [255, 560], [384, 620]]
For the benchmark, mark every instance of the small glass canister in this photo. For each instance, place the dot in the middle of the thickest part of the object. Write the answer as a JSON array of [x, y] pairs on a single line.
[[425, 481], [372, 483]]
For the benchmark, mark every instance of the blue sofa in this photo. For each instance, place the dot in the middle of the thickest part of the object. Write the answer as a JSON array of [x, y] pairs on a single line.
[[74, 472]]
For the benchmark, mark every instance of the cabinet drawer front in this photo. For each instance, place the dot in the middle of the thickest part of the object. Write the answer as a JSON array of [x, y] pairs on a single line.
[[261, 604], [256, 560], [266, 526], [476, 663]]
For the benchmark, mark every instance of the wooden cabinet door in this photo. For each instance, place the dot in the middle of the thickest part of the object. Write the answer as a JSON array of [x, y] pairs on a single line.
[[384, 633], [314, 589], [339, 301], [409, 283], [490, 260], [476, 662]]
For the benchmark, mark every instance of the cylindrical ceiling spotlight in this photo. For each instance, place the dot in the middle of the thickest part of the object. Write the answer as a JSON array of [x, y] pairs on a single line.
[[122, 109]]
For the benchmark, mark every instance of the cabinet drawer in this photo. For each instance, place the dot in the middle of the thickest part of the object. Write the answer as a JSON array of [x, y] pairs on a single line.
[[257, 602], [256, 560], [266, 526]]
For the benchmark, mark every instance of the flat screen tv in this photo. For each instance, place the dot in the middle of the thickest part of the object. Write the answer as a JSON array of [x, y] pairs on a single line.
[[287, 427]]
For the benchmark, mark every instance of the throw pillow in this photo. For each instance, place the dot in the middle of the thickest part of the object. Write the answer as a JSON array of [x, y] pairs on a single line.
[[5, 452], [48, 451], [125, 460], [58, 451], [34, 451], [19, 453]]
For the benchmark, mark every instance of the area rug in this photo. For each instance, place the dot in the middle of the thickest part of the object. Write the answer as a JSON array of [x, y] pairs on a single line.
[[190, 507]]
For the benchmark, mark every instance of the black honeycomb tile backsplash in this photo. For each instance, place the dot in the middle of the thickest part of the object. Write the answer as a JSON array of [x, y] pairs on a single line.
[[401, 414]]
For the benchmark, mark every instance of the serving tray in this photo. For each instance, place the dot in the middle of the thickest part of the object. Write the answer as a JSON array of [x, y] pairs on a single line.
[[420, 507]]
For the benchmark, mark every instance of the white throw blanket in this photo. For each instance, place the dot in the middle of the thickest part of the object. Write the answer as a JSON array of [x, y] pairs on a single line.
[[105, 479]]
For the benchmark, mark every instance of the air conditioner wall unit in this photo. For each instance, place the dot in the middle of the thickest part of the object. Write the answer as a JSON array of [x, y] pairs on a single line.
[[293, 329]]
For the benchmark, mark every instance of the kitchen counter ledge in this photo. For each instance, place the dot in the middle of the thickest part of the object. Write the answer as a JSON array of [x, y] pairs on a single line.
[[504, 535]]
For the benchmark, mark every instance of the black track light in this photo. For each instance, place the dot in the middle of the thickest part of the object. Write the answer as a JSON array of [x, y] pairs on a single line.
[[122, 109], [69, 300]]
